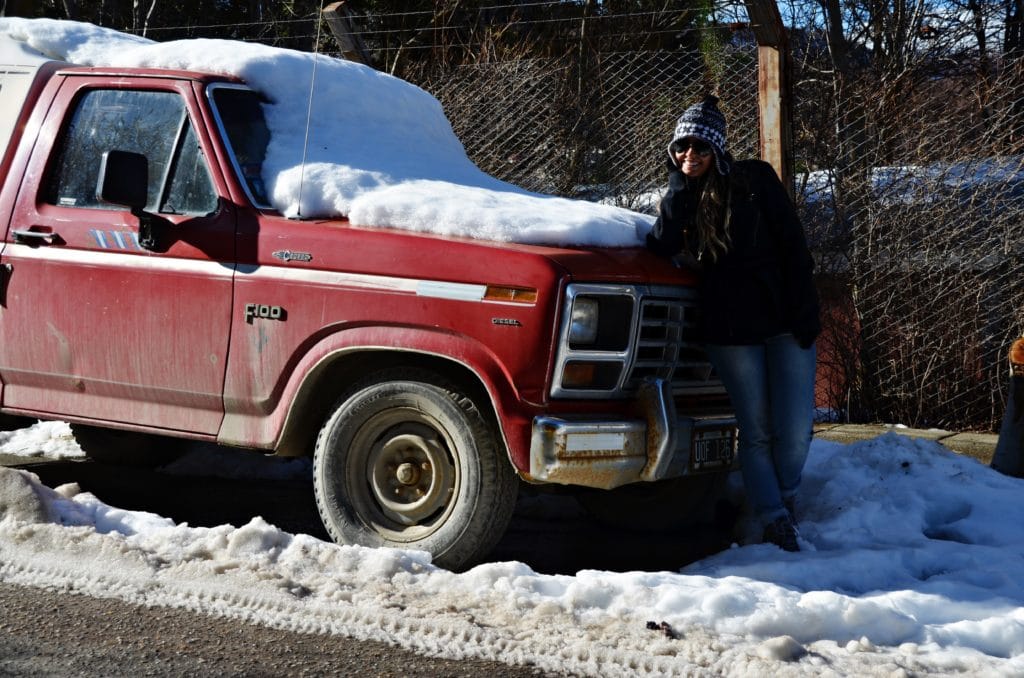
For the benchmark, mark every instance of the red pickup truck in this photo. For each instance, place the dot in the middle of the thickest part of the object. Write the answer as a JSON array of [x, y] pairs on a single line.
[[150, 291]]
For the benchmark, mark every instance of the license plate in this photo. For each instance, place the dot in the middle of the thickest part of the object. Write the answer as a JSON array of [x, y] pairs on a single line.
[[712, 450]]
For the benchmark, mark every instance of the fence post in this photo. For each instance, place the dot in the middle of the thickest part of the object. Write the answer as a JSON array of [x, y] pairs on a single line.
[[339, 20], [773, 87]]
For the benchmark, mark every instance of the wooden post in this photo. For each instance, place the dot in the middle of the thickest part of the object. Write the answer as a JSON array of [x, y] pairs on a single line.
[[773, 87], [339, 20]]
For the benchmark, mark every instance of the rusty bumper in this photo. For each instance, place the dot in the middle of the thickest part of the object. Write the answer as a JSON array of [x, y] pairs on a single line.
[[606, 453]]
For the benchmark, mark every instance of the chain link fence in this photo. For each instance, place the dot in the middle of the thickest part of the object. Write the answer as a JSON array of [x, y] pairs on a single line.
[[913, 195], [911, 192], [909, 174], [595, 128]]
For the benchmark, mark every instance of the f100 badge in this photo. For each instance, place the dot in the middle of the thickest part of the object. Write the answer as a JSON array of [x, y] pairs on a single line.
[[253, 311]]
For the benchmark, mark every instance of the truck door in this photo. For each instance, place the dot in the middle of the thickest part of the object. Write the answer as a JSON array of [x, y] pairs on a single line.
[[94, 326]]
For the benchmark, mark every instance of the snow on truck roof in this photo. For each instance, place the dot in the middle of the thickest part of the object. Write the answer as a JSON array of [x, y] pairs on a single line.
[[380, 150], [15, 53]]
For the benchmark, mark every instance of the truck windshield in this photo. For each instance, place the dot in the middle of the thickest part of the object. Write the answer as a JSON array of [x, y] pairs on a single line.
[[240, 115]]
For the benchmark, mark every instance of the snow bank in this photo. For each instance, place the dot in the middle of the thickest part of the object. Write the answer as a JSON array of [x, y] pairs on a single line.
[[910, 566]]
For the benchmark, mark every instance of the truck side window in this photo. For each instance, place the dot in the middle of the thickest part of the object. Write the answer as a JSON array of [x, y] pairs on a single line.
[[191, 190], [148, 122]]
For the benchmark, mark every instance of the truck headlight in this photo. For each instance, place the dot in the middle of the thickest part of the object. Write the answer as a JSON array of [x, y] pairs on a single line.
[[583, 322], [596, 341], [600, 322]]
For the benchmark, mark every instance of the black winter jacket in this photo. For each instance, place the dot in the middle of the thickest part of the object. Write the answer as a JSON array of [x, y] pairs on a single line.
[[763, 285]]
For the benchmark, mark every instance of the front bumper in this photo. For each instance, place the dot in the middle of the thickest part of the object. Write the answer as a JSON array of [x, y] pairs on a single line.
[[606, 453]]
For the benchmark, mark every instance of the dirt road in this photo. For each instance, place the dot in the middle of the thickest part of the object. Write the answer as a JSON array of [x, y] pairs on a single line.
[[46, 633]]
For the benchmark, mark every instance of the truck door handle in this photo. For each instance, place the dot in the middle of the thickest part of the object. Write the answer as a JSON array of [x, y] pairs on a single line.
[[26, 235]]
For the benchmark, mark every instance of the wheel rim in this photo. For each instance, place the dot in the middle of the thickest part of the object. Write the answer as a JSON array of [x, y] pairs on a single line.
[[410, 475]]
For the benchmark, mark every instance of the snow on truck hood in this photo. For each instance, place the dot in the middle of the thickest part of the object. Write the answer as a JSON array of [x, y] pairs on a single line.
[[380, 150]]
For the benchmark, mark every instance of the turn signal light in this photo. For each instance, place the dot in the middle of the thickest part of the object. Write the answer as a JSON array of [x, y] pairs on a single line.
[[601, 375], [515, 295], [578, 375]]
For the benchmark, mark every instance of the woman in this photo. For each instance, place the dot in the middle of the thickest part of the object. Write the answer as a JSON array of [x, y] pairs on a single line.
[[735, 223]]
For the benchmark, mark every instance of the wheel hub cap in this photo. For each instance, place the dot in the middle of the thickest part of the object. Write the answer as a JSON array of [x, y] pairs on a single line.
[[411, 474]]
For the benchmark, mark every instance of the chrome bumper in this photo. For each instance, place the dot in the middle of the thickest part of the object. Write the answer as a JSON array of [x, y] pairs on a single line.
[[603, 453]]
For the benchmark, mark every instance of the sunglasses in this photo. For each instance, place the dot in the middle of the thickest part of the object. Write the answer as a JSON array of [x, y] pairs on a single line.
[[701, 148]]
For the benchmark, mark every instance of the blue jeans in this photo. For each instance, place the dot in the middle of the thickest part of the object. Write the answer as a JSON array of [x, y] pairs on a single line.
[[771, 386]]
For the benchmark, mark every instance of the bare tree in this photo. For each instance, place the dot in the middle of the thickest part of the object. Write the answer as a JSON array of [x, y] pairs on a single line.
[[141, 16]]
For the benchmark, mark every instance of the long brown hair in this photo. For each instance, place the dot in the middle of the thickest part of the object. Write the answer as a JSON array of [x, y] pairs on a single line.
[[712, 230]]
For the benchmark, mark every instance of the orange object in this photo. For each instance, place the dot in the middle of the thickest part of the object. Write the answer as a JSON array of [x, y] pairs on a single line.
[[1017, 356]]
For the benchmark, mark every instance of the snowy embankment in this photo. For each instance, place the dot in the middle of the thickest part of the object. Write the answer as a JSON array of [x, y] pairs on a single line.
[[911, 562]]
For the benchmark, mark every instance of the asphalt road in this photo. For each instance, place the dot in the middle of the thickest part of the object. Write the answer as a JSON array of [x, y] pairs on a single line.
[[51, 634]]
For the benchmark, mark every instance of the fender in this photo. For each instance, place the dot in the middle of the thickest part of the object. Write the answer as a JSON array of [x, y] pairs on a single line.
[[266, 429]]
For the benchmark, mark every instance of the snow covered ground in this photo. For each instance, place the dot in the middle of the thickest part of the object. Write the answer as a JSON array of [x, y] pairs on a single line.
[[911, 564]]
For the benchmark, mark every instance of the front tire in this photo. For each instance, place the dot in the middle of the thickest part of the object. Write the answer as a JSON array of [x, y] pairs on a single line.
[[406, 461]]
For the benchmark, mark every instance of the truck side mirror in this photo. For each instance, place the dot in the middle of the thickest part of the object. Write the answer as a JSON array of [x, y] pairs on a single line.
[[124, 180]]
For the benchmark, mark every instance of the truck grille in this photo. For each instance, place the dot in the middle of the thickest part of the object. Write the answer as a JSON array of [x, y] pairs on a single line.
[[644, 332], [667, 347]]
